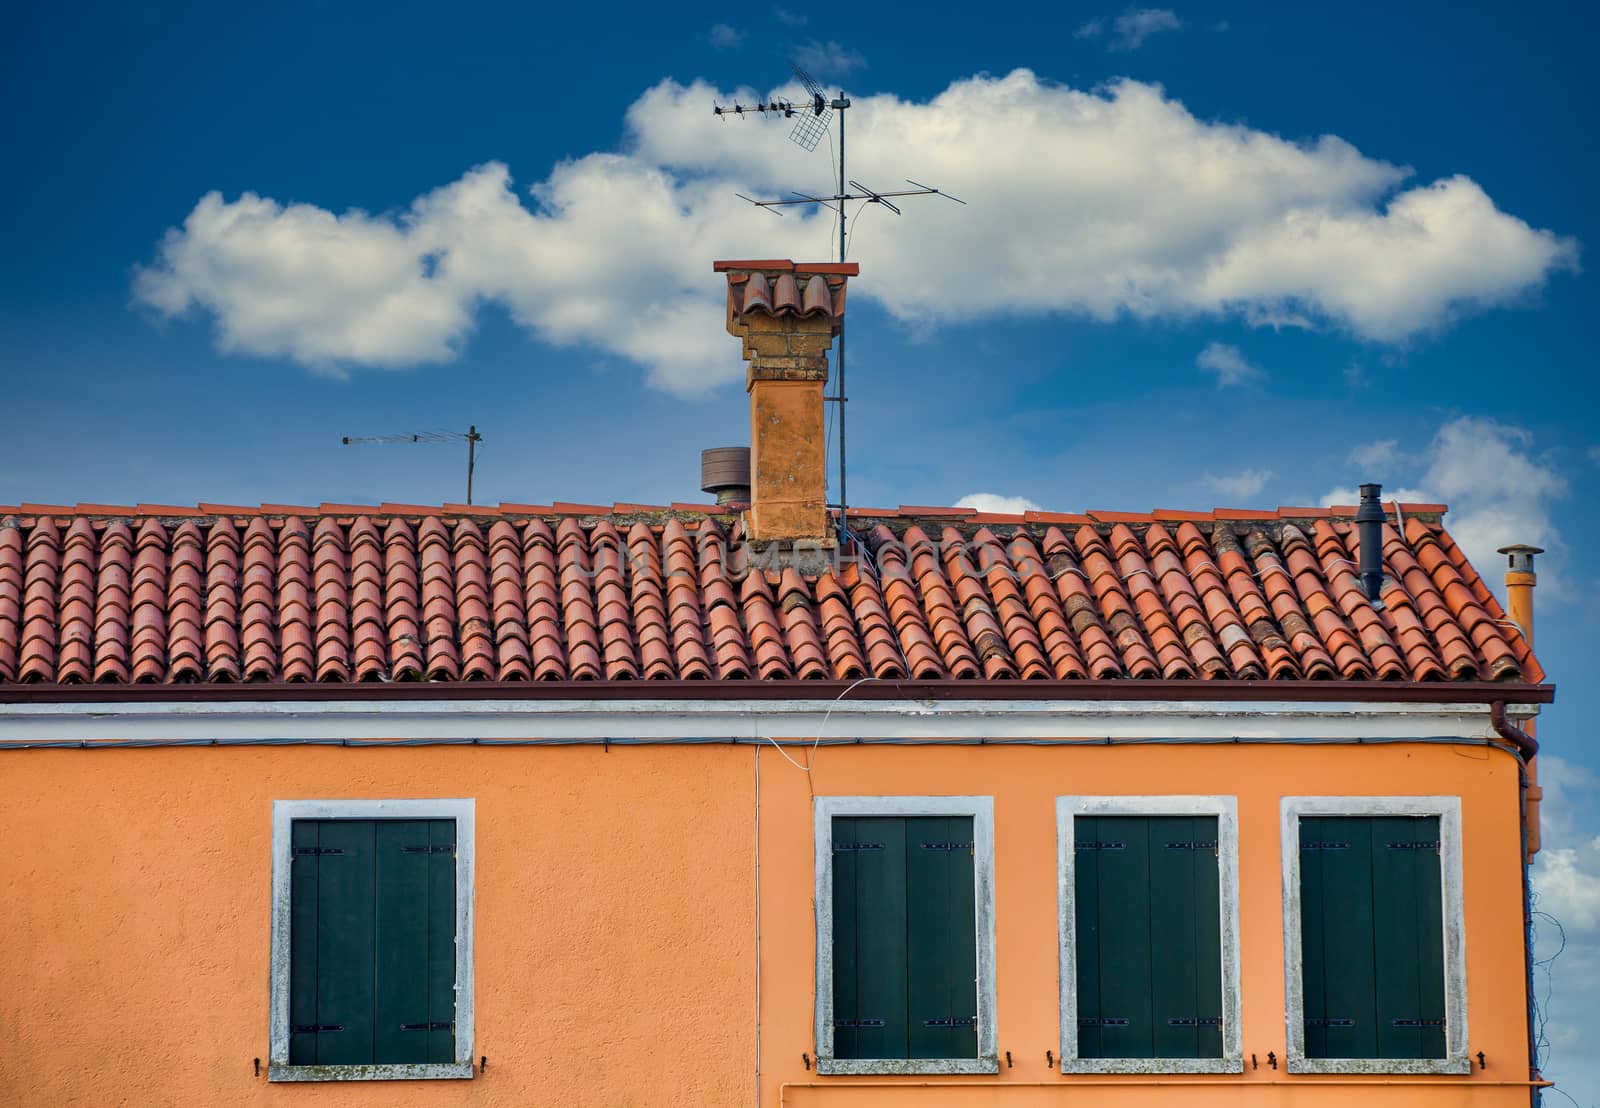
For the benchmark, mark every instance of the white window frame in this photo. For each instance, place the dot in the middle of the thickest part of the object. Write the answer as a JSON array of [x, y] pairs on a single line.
[[1226, 811], [981, 810], [284, 813], [1448, 810]]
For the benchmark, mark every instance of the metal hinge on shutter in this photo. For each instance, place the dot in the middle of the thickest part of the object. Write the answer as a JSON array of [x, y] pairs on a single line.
[[1194, 1021], [1324, 846], [1100, 844], [1103, 1021], [852, 1024], [951, 847], [445, 1025], [845, 847], [1329, 1021], [952, 1021], [1433, 846], [429, 849], [313, 1028], [1416, 1023], [317, 850], [1193, 844]]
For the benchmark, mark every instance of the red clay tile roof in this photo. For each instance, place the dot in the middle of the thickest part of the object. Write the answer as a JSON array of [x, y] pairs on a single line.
[[352, 593]]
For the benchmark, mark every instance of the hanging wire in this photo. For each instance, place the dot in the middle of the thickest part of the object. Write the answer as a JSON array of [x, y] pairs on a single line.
[[850, 234]]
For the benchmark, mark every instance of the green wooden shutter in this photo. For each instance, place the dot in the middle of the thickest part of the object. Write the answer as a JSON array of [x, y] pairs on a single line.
[[1149, 944], [904, 938], [1372, 937], [941, 939], [372, 942]]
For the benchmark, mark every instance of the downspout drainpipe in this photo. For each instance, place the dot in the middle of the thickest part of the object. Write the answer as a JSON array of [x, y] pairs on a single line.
[[1528, 748]]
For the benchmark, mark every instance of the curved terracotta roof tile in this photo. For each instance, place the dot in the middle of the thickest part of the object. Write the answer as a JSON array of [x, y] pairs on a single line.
[[258, 617], [185, 595], [149, 644], [473, 615], [221, 603], [1222, 616], [79, 554], [416, 593], [436, 567], [296, 627], [368, 621], [11, 587], [647, 594], [403, 602], [541, 597], [1044, 608], [577, 601], [1139, 659]]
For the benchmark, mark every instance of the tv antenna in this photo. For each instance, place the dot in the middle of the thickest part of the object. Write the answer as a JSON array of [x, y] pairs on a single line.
[[470, 437], [811, 118]]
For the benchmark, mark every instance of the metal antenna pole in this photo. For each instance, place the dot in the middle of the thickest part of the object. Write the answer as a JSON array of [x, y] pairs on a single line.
[[473, 438], [844, 499]]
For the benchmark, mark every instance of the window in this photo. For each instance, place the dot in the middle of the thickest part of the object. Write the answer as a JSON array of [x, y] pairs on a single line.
[[905, 935], [1149, 934], [1372, 930], [371, 939]]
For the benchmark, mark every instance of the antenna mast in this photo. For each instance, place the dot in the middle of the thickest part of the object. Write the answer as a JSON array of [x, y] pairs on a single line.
[[811, 123], [471, 438]]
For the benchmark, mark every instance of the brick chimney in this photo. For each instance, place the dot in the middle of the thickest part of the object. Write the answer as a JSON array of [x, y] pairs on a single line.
[[786, 315]]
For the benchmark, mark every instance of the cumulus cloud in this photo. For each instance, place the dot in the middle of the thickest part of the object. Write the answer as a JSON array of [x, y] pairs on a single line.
[[828, 59], [790, 18], [1171, 217], [1566, 883], [1499, 491], [994, 502], [1243, 485], [1229, 366], [724, 37]]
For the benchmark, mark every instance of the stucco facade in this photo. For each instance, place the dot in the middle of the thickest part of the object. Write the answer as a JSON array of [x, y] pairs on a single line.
[[644, 914]]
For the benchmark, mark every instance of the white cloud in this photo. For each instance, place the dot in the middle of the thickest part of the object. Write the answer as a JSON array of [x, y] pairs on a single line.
[[828, 59], [1243, 485], [1137, 24], [1228, 364], [1594, 455], [724, 37], [1355, 376], [1376, 455], [1131, 28], [1171, 217], [790, 18], [1498, 491], [1566, 883], [994, 502]]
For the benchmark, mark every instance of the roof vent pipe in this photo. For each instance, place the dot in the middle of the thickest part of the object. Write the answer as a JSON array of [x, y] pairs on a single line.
[[725, 471], [1369, 522]]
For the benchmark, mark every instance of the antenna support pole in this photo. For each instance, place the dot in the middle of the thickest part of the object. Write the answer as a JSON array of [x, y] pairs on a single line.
[[844, 498], [473, 438]]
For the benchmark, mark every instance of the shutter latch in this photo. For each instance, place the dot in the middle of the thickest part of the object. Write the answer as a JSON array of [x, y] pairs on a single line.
[[446, 849], [445, 1025]]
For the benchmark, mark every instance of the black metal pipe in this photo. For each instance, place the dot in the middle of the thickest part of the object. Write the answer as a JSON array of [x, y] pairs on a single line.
[[1369, 523]]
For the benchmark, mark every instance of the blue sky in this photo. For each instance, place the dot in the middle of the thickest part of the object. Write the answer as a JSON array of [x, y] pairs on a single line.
[[1221, 254]]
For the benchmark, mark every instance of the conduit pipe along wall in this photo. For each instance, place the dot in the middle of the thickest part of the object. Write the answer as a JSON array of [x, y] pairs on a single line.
[[1520, 582]]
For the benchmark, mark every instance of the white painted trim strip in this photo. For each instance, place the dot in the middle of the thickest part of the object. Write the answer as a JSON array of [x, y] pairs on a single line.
[[750, 719]]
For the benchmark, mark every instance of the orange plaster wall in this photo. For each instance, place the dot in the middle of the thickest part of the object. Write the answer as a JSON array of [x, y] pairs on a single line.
[[615, 916], [1024, 782]]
